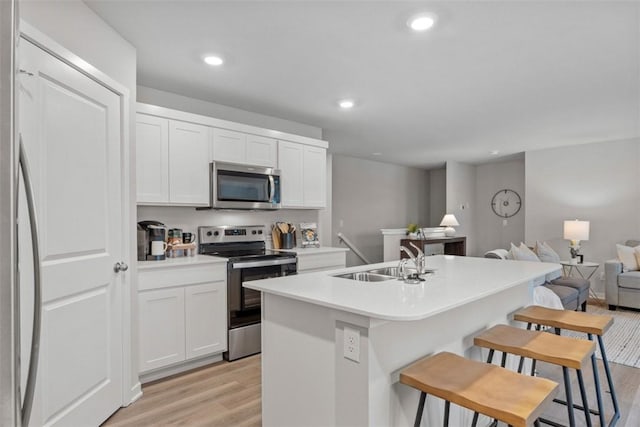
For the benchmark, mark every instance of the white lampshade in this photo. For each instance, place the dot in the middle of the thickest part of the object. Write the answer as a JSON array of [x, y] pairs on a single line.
[[449, 220], [576, 230]]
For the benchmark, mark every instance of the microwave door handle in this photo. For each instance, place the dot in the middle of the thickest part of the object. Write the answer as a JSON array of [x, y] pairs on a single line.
[[37, 292], [272, 188]]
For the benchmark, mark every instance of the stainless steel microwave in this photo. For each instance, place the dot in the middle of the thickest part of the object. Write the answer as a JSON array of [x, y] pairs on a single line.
[[235, 186]]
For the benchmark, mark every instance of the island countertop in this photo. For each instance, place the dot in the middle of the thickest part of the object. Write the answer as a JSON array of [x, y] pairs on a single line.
[[456, 281]]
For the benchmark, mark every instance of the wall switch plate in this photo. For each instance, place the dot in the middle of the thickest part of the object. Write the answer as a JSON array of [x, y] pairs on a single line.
[[351, 344]]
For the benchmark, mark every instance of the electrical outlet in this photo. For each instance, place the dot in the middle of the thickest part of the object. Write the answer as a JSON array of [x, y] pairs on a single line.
[[351, 344]]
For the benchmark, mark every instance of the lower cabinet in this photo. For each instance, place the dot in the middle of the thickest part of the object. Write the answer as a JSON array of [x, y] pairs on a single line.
[[309, 262], [180, 323]]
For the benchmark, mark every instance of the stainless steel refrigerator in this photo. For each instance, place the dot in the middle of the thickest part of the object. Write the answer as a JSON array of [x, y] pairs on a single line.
[[17, 364]]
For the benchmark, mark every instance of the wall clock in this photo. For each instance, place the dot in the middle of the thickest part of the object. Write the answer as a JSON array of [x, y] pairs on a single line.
[[506, 203]]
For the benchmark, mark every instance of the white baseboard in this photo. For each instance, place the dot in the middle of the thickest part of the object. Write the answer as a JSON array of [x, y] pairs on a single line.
[[178, 368]]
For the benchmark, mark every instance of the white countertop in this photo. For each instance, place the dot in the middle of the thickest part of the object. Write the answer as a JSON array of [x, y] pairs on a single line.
[[181, 261], [313, 251], [457, 281]]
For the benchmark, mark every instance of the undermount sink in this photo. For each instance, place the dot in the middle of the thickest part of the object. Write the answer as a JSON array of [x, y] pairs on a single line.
[[389, 271], [365, 276]]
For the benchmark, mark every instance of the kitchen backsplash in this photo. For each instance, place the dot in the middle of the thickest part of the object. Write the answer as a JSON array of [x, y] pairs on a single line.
[[188, 219]]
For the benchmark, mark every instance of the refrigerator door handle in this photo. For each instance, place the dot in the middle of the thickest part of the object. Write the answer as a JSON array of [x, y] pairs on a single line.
[[29, 391]]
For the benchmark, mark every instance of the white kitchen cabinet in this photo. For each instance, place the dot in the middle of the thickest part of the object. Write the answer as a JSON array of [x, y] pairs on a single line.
[[182, 314], [290, 163], [303, 175], [172, 162], [162, 328], [314, 177], [188, 164], [206, 324], [152, 158], [228, 146], [312, 260], [246, 149], [261, 151]]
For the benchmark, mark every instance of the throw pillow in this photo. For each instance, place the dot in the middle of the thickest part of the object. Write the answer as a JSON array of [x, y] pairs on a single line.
[[627, 255], [546, 252], [523, 253]]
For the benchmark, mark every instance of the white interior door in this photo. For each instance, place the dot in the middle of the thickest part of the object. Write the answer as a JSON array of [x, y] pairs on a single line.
[[71, 128]]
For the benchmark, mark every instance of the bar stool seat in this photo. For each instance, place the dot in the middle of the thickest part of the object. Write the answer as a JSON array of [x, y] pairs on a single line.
[[566, 352], [590, 324], [499, 393]]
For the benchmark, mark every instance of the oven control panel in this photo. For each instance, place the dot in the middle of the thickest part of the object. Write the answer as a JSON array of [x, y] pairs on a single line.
[[231, 233]]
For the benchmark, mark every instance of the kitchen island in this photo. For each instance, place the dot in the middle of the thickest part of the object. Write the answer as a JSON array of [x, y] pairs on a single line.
[[308, 381]]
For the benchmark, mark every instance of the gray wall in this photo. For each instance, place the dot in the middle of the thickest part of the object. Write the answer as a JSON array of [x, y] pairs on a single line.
[[437, 196], [460, 198], [493, 232], [196, 106], [595, 182], [369, 195]]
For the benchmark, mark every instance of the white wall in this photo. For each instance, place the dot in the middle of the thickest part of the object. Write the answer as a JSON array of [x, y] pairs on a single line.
[[77, 28], [595, 182], [491, 231], [369, 195], [437, 196], [196, 106], [460, 196]]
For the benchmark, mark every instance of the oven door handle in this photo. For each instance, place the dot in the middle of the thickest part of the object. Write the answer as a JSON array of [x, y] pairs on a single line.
[[264, 263]]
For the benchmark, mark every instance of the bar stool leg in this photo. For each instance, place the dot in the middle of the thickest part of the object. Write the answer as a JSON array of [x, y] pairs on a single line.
[[447, 406], [567, 387], [423, 397], [585, 402], [607, 371], [596, 381]]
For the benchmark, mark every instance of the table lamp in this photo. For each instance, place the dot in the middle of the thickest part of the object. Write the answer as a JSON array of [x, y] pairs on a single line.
[[449, 221], [575, 231]]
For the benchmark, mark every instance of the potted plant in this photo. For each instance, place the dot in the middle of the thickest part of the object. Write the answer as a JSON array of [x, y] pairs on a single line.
[[412, 230]]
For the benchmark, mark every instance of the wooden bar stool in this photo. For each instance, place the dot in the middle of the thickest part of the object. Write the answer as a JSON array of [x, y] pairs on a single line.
[[566, 352], [590, 324], [499, 393]]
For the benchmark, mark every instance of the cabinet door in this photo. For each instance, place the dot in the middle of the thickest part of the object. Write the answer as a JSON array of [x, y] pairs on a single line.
[[290, 159], [229, 146], [206, 319], [188, 164], [315, 177], [152, 159], [261, 151], [161, 326]]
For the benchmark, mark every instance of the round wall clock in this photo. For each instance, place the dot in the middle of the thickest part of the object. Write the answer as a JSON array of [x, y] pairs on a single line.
[[506, 203]]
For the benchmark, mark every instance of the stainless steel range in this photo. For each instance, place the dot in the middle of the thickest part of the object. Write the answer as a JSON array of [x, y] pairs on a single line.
[[249, 259]]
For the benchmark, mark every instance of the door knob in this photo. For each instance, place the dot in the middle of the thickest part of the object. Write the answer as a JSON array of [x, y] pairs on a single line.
[[120, 266]]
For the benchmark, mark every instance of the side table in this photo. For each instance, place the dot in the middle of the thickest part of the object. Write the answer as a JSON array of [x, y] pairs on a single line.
[[589, 269]]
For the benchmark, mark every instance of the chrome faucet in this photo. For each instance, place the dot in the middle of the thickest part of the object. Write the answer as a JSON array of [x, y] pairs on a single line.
[[418, 261]]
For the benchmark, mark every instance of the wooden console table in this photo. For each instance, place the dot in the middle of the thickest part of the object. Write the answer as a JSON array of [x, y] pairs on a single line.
[[456, 245]]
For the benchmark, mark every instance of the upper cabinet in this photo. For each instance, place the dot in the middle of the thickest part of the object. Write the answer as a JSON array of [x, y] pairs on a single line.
[[303, 176], [174, 150], [238, 147], [172, 165]]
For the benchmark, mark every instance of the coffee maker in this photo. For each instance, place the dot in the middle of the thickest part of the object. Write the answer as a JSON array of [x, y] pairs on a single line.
[[151, 241]]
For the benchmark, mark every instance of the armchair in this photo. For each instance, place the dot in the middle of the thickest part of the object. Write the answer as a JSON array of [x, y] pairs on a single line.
[[621, 288]]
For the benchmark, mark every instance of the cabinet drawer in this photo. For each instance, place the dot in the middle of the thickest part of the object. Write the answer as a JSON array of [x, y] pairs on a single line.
[[321, 261], [158, 278]]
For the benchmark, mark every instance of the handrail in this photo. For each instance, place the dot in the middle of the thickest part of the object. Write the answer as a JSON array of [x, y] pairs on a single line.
[[350, 245]]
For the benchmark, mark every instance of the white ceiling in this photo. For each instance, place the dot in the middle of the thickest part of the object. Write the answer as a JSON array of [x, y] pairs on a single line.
[[508, 76]]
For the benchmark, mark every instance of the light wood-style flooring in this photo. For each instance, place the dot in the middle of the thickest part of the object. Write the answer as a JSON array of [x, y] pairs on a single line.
[[222, 394]]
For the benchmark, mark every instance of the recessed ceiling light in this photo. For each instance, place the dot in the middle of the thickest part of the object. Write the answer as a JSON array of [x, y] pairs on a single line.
[[494, 152], [376, 154], [346, 104], [421, 22], [213, 60]]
